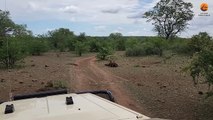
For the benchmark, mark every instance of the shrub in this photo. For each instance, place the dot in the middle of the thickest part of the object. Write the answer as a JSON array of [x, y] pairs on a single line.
[[199, 42], [81, 47], [104, 51], [94, 45], [180, 47], [151, 47], [202, 62], [11, 54], [131, 42], [37, 47], [135, 51]]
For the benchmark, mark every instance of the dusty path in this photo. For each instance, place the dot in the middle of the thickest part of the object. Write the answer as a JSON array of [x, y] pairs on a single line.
[[90, 77]]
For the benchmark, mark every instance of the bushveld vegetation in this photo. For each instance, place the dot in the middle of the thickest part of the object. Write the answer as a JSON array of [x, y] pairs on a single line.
[[16, 42]]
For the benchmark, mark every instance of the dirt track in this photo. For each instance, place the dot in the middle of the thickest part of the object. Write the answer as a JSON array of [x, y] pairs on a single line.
[[90, 77]]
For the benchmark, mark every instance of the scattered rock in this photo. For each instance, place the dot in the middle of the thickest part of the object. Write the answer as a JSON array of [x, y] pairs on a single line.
[[21, 82], [13, 90], [200, 93], [2, 80], [164, 86], [33, 65], [143, 66], [34, 80], [161, 101], [139, 84], [46, 66]]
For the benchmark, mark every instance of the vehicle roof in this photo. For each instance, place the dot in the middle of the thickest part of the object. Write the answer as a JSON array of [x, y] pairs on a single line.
[[86, 107]]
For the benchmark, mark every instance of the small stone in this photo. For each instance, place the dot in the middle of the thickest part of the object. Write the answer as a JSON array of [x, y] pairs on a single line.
[[46, 66], [33, 65], [139, 84], [2, 80], [21, 82], [161, 101], [34, 80], [200, 93], [13, 90]]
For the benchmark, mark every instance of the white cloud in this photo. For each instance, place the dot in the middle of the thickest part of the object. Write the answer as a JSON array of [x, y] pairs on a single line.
[[69, 9], [100, 28], [119, 30], [101, 12]]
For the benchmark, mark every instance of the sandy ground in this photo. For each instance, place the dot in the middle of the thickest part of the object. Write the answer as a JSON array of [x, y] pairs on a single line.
[[144, 84], [163, 89], [90, 77], [34, 74]]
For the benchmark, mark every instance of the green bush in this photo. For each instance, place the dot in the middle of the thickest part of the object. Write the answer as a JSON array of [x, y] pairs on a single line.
[[104, 51], [94, 45], [202, 61], [199, 42], [180, 47], [135, 51], [131, 42], [10, 55], [71, 44], [37, 47], [148, 47], [81, 47]]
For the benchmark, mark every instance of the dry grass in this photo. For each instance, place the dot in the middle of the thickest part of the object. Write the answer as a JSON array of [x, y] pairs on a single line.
[[162, 87]]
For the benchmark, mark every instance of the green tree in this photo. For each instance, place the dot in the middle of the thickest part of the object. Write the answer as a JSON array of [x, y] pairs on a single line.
[[7, 25], [105, 50], [11, 34], [81, 44], [94, 44], [118, 41], [59, 38], [10, 53], [170, 17], [80, 48], [202, 62], [199, 42], [38, 46], [131, 42]]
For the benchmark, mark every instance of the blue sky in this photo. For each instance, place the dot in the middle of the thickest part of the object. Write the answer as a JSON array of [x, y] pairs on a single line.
[[97, 17]]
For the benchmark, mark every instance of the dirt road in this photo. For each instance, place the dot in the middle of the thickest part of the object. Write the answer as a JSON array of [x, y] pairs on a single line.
[[90, 77]]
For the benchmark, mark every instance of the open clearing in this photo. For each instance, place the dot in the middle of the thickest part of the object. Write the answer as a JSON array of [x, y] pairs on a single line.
[[162, 88], [145, 84]]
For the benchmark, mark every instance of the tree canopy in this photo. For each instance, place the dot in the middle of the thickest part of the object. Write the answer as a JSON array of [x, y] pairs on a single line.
[[170, 17]]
